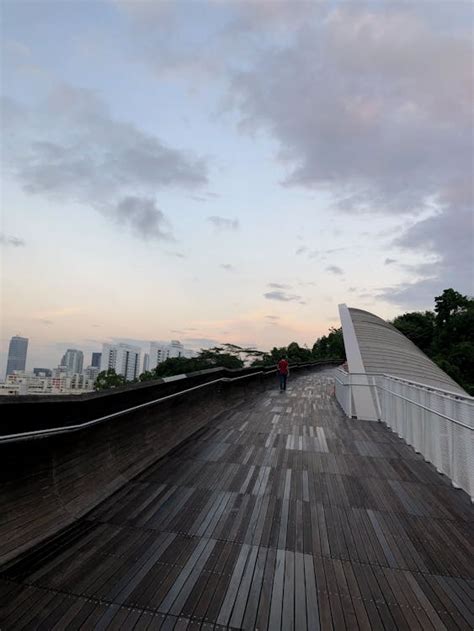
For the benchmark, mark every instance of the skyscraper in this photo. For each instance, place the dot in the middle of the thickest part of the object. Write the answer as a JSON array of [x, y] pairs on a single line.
[[146, 362], [160, 351], [73, 360], [95, 361], [123, 358], [17, 354]]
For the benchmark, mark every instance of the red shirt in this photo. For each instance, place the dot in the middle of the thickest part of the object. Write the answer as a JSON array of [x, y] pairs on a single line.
[[283, 367]]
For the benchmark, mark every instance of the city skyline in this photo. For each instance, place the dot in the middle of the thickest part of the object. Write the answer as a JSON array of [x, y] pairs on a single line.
[[230, 172], [75, 360]]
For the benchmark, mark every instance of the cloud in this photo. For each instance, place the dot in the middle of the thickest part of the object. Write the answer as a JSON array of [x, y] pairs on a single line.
[[9, 240], [70, 147], [46, 322], [272, 317], [450, 239], [279, 286], [222, 223], [178, 255], [301, 250], [228, 267], [389, 261], [281, 296], [383, 81], [142, 215], [334, 269]]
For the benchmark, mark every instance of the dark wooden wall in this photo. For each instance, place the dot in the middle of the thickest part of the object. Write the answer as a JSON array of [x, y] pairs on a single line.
[[47, 483]]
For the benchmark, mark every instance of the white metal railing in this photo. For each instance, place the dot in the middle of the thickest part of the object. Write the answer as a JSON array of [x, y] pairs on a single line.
[[439, 424]]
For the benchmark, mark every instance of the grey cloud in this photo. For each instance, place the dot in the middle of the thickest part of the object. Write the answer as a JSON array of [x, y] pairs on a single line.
[[228, 267], [403, 101], [312, 254], [9, 240], [272, 317], [47, 322], [178, 255], [450, 237], [301, 250], [279, 286], [389, 261], [71, 148], [142, 215], [222, 223], [385, 125], [281, 296], [334, 269]]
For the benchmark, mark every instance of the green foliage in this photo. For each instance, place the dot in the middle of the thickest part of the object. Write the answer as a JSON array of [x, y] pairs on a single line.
[[330, 346], [225, 356], [108, 379], [297, 354], [177, 366], [445, 335], [417, 327], [148, 375]]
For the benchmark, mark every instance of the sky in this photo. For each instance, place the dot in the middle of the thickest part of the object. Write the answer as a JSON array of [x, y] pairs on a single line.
[[229, 171]]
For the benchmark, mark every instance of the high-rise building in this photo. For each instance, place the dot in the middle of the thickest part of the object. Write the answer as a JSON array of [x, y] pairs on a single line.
[[17, 354], [73, 360], [95, 361], [160, 352], [42, 372], [123, 358], [91, 372], [146, 362]]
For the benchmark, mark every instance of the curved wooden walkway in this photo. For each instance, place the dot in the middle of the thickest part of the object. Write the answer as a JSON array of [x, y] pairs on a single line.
[[281, 514]]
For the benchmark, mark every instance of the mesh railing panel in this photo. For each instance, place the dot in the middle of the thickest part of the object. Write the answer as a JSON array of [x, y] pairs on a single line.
[[437, 424]]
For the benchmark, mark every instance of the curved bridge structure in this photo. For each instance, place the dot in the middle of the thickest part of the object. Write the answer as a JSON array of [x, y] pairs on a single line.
[[227, 506], [389, 379]]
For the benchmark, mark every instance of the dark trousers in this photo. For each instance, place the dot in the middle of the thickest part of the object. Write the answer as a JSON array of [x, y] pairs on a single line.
[[283, 381]]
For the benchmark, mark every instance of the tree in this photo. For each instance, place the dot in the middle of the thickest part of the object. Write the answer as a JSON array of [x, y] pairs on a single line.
[[453, 344], [417, 327], [109, 379], [224, 357], [330, 346], [449, 304], [445, 335]]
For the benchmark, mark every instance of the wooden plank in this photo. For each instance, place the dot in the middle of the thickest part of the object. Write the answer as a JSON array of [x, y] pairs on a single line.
[[231, 594], [244, 589], [275, 621], [288, 612]]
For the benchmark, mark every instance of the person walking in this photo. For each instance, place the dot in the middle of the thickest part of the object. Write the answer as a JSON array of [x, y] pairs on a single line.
[[283, 372]]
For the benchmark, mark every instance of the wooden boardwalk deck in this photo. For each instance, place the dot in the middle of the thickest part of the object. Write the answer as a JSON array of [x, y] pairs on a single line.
[[281, 514]]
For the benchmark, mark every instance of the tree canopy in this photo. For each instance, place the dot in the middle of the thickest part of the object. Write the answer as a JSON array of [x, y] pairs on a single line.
[[446, 335], [109, 379]]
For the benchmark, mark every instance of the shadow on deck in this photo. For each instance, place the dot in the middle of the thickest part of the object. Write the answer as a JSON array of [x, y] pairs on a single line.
[[281, 514]]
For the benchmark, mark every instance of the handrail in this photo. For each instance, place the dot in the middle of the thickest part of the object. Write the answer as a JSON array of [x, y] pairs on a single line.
[[72, 428], [424, 407], [40, 433], [424, 386]]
